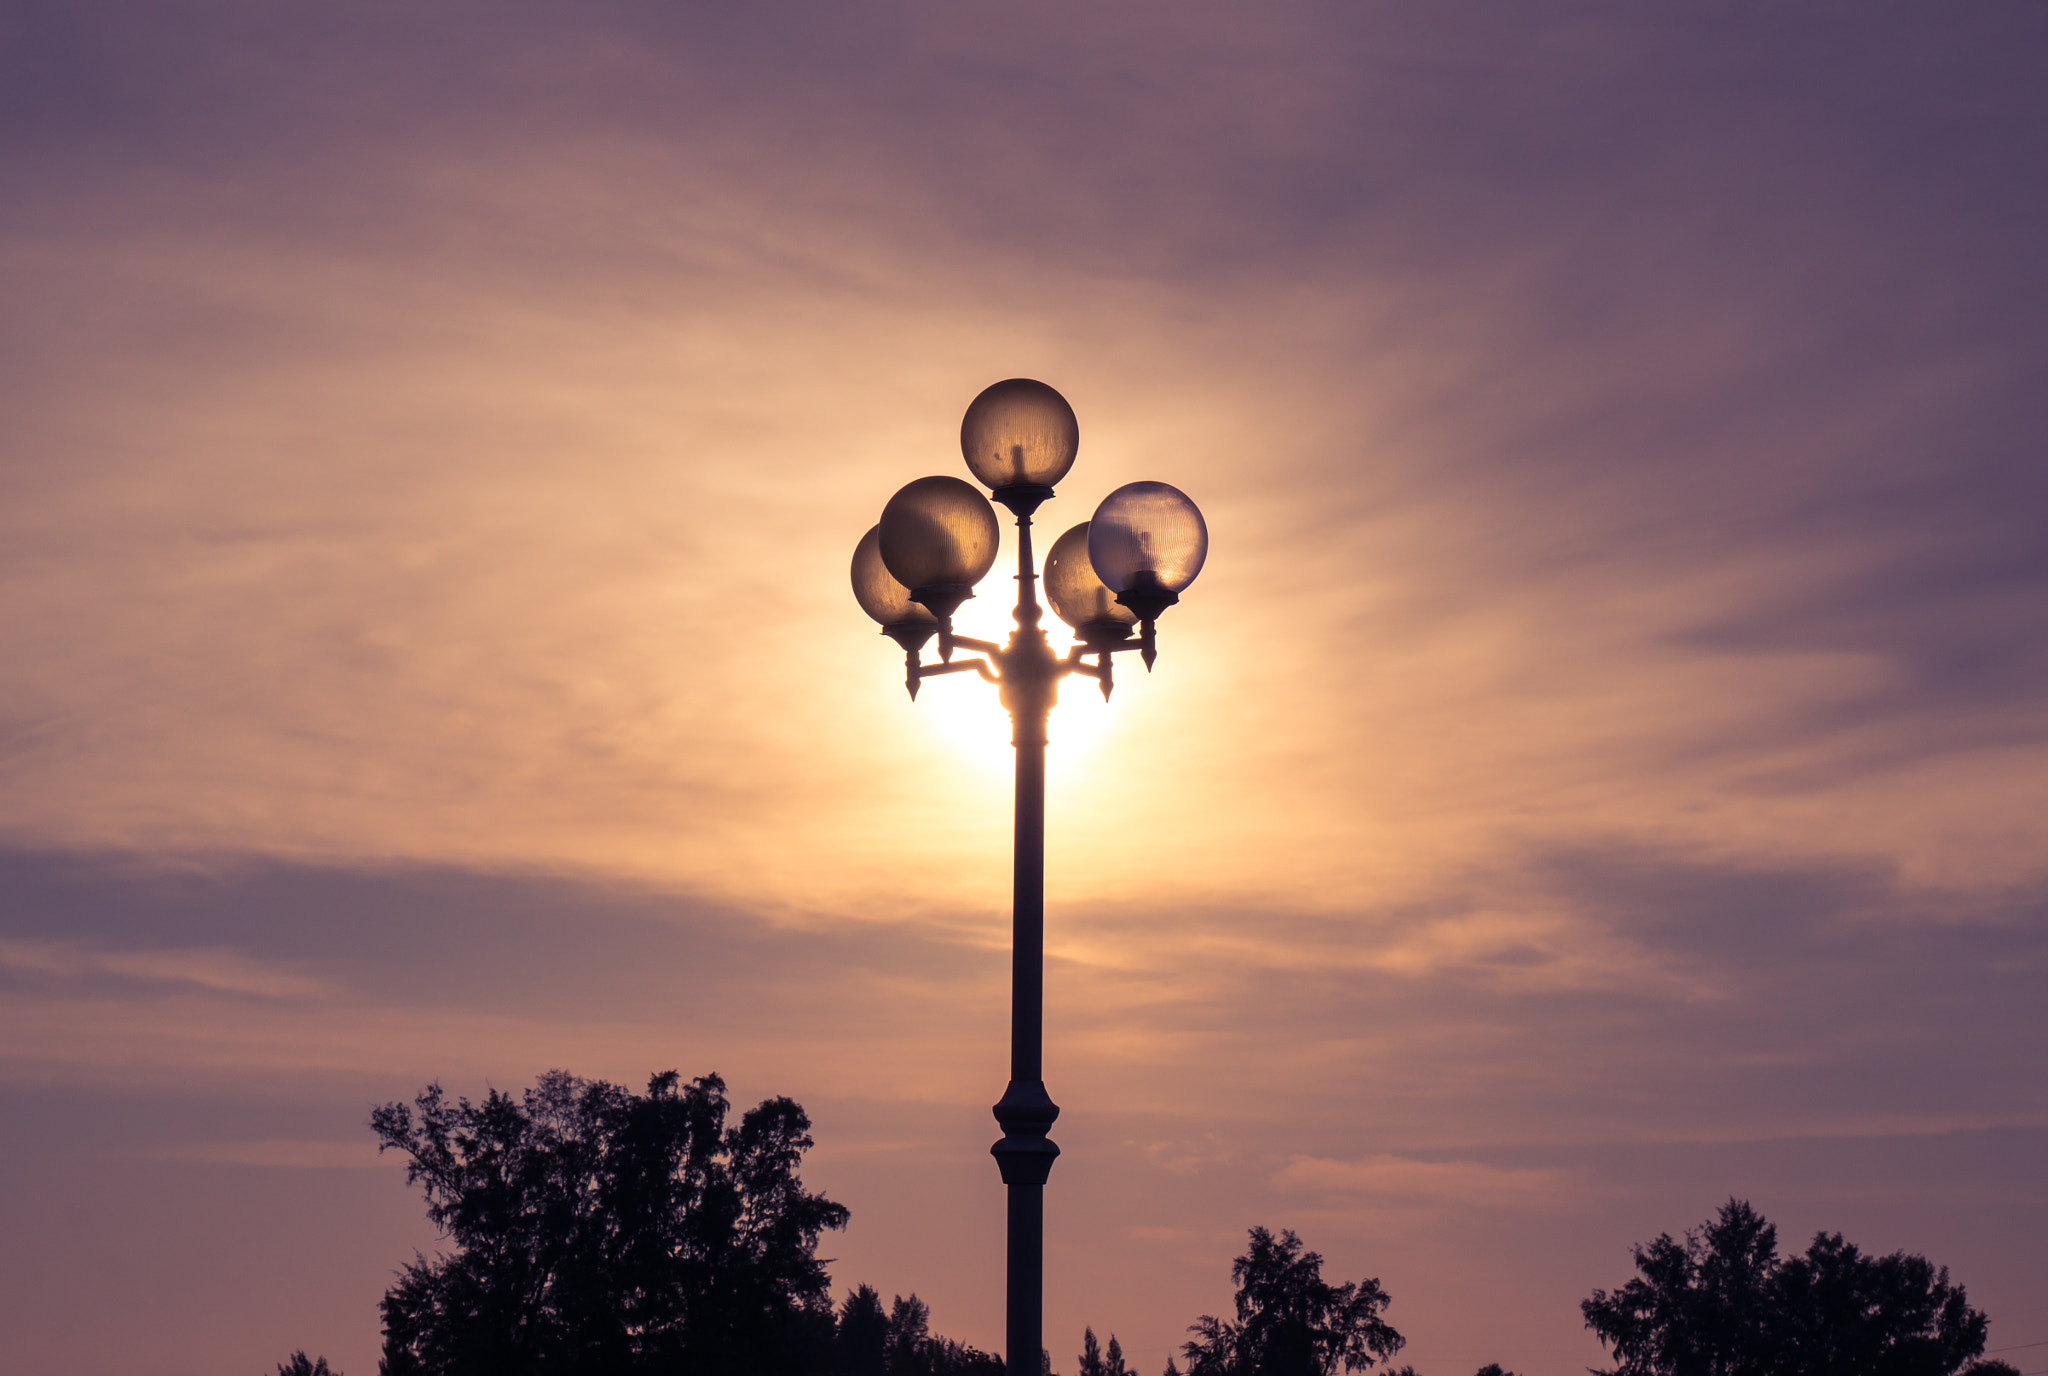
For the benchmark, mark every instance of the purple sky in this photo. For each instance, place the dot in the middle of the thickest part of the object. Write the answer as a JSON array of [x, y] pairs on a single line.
[[1601, 770]]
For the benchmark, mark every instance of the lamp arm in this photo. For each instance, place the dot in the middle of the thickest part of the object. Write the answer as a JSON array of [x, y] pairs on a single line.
[[987, 647], [1073, 664], [1101, 670], [979, 666]]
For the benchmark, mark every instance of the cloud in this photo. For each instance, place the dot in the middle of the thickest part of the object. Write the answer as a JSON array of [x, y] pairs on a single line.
[[1596, 993], [431, 553], [283, 1152], [1467, 1183], [1190, 1156], [216, 971]]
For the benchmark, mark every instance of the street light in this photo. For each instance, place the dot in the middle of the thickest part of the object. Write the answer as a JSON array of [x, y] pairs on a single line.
[[1119, 570]]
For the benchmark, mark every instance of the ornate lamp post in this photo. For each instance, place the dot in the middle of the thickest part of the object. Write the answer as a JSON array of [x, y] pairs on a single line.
[[1118, 571]]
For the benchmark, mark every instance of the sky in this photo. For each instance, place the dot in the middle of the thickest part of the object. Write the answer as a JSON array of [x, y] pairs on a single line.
[[1601, 769]]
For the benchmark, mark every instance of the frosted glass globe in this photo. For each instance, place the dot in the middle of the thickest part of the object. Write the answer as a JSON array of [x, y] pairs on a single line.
[[1082, 600], [1020, 433], [1147, 537], [939, 533], [878, 593]]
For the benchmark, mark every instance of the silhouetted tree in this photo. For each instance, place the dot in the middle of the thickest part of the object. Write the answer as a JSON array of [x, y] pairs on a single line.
[[302, 1365], [949, 1358], [916, 1351], [1290, 1322], [909, 1336], [900, 1342], [1492, 1369], [862, 1343], [1722, 1304], [599, 1231], [1842, 1311], [1696, 1307], [1094, 1362]]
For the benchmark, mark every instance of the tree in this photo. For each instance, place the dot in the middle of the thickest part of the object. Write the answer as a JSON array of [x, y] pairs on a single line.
[[1095, 1363], [900, 1342], [949, 1358], [863, 1339], [1290, 1322], [1843, 1311], [603, 1232], [1722, 1304], [1697, 1307], [302, 1365], [909, 1336]]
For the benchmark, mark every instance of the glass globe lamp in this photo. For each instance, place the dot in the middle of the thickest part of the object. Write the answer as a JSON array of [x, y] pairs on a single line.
[[1147, 542], [886, 600], [1019, 437], [1082, 600], [938, 538]]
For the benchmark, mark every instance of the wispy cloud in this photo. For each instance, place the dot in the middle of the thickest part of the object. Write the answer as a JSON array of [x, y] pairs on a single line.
[[1471, 1184], [1190, 1155], [214, 970], [283, 1152]]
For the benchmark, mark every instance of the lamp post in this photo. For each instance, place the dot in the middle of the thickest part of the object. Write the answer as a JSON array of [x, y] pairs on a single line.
[[1117, 571]]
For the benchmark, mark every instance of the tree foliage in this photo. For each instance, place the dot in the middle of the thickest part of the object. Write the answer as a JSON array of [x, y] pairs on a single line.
[[863, 1337], [903, 1343], [1096, 1362], [1290, 1321], [599, 1231], [302, 1365], [1722, 1303]]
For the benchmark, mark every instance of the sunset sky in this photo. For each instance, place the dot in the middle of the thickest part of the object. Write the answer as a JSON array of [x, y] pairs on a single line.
[[1603, 767]]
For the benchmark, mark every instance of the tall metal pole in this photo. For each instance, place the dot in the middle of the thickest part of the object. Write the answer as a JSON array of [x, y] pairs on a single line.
[[1017, 430], [1026, 1112]]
